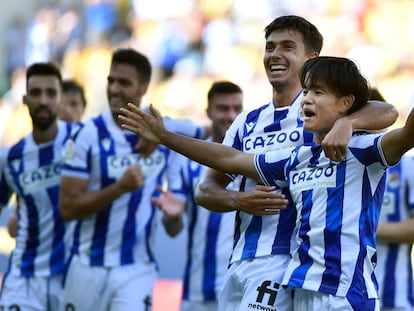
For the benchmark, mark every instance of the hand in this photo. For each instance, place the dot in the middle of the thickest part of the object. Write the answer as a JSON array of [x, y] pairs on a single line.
[[169, 204], [12, 225], [150, 127], [132, 179], [260, 201], [145, 147], [335, 143]]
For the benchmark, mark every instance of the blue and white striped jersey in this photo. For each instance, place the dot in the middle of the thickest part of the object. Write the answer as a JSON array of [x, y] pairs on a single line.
[[32, 171], [210, 241], [394, 269], [120, 234], [262, 130], [338, 206]]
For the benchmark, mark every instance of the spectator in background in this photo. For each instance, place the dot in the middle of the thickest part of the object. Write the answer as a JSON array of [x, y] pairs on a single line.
[[73, 101], [210, 234]]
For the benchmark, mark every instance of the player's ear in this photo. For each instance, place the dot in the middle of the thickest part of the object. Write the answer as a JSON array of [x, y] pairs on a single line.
[[346, 102]]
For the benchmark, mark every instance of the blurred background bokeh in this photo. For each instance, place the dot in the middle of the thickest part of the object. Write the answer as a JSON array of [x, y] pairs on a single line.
[[191, 43]]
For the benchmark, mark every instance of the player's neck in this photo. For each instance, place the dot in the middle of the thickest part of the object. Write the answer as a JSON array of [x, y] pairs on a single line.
[[41, 136], [285, 96]]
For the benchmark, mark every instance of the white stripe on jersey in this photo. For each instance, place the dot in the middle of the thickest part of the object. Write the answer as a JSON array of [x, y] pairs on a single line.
[[394, 268], [337, 215], [33, 172], [210, 241], [120, 234], [260, 130]]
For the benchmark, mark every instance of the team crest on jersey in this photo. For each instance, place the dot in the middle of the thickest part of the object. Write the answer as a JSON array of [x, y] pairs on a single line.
[[69, 149], [106, 143], [393, 180]]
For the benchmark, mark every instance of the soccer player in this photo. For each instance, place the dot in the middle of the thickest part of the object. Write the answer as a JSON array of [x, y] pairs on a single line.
[[106, 187], [210, 234], [31, 169], [71, 109], [73, 101], [263, 239], [337, 202]]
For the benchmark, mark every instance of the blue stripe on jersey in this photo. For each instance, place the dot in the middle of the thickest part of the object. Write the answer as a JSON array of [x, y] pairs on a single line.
[[332, 234], [252, 237], [29, 254], [286, 225], [128, 233], [303, 252], [102, 218], [278, 116], [191, 227], [209, 257], [387, 295], [252, 118], [46, 156]]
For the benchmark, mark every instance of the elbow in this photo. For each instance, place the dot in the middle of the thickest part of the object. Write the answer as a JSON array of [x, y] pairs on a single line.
[[393, 115], [66, 212]]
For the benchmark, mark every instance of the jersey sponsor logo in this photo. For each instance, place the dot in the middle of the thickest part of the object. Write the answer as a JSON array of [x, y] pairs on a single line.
[[266, 296], [272, 141], [310, 178], [41, 178], [152, 165]]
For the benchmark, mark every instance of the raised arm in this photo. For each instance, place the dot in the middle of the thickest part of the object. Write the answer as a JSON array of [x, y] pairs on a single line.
[[212, 154], [396, 142], [376, 115]]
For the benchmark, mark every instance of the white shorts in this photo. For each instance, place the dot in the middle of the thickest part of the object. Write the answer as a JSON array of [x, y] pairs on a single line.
[[198, 305], [254, 284], [121, 288], [31, 293], [310, 300]]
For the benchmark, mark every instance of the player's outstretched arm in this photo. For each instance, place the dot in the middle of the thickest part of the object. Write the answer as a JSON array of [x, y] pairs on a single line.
[[215, 155], [398, 141]]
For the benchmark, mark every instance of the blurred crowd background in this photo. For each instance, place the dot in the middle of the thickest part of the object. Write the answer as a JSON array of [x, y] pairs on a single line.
[[191, 43]]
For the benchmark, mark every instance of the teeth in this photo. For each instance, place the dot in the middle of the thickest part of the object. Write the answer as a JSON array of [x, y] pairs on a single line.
[[277, 67]]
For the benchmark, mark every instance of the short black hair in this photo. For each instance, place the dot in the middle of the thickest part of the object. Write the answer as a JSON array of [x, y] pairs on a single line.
[[136, 59], [312, 38], [223, 87], [71, 85], [339, 74], [375, 94], [43, 69]]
